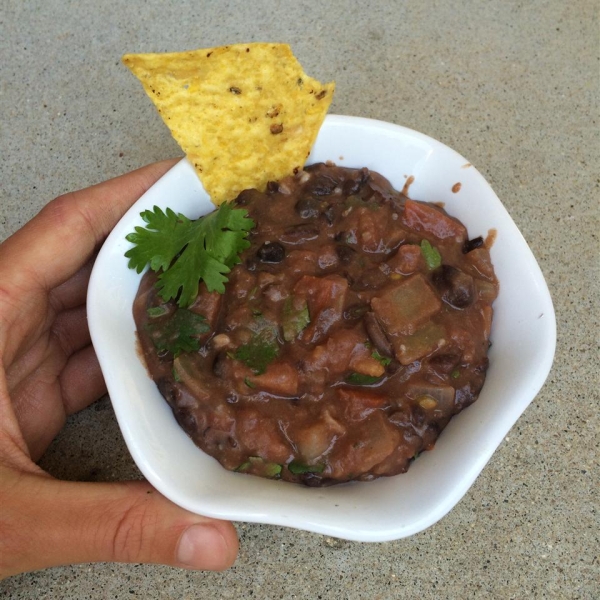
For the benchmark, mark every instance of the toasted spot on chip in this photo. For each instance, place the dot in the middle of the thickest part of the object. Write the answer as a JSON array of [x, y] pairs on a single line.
[[220, 105]]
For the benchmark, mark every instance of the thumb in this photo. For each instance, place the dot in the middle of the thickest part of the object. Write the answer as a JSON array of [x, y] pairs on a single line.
[[46, 522]]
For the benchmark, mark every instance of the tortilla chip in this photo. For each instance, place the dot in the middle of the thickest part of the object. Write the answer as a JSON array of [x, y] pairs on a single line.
[[244, 114]]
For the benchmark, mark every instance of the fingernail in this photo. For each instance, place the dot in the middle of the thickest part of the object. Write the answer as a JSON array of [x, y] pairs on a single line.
[[202, 546]]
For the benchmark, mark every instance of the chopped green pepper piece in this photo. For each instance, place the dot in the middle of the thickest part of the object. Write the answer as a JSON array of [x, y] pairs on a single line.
[[157, 311], [260, 467], [455, 374], [298, 468], [249, 383], [294, 319], [272, 470], [360, 379], [431, 255]]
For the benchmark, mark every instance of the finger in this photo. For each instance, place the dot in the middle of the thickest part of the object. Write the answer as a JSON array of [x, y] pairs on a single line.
[[55, 244], [73, 291], [68, 334], [42, 400], [81, 381], [71, 331], [48, 523]]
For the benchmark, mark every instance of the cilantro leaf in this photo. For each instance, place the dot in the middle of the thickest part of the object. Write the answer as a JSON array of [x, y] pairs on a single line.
[[384, 360], [189, 251], [431, 255], [259, 352], [178, 333]]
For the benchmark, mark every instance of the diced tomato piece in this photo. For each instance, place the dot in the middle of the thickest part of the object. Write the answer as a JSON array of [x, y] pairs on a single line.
[[338, 352], [482, 263], [280, 378], [260, 436], [328, 257], [316, 439], [378, 440], [425, 217], [302, 261], [325, 297], [207, 304], [357, 404], [406, 260]]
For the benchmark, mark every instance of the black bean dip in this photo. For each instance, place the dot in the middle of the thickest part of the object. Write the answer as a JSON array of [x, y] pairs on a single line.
[[355, 327]]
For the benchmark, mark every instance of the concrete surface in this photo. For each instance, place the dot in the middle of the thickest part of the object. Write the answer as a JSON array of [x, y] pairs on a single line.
[[511, 85]]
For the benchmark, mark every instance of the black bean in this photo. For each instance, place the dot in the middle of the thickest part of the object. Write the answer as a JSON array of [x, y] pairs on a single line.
[[370, 280], [418, 416], [482, 367], [272, 187], [456, 288], [394, 367], [187, 420], [444, 363], [464, 396], [232, 398], [320, 185], [312, 479], [168, 390], [298, 234], [307, 208], [245, 197], [329, 214], [472, 244], [356, 311], [271, 252], [400, 416], [345, 254], [219, 364], [377, 335], [353, 186]]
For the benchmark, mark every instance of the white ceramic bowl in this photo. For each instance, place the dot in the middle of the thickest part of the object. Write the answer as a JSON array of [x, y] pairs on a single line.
[[523, 335]]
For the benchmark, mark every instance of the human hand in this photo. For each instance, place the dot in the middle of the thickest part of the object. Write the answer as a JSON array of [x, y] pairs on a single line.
[[48, 370]]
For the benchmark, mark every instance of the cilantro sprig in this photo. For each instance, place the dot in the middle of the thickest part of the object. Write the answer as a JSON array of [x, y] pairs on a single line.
[[259, 352], [188, 251], [178, 333]]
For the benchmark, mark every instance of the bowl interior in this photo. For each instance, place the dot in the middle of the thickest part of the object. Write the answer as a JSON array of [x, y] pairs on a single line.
[[523, 337]]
